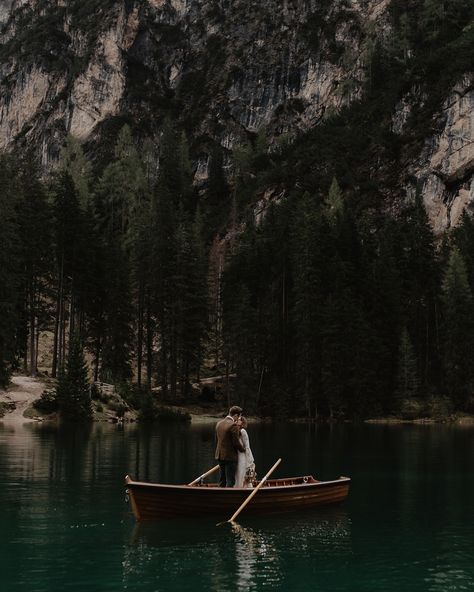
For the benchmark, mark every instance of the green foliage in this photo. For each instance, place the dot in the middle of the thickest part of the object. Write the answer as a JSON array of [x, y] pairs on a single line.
[[145, 401], [74, 162], [73, 394], [458, 327], [328, 307], [10, 278], [40, 39], [177, 253], [439, 408], [116, 346], [6, 408], [34, 215], [90, 17], [217, 199], [407, 377], [315, 303], [410, 409], [48, 402]]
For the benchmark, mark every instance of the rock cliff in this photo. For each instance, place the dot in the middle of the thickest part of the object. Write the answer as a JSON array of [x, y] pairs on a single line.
[[228, 69]]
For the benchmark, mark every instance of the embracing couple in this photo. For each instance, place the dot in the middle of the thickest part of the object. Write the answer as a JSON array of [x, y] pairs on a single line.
[[236, 462]]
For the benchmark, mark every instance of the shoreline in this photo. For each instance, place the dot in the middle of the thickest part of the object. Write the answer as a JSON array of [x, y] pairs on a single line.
[[23, 390]]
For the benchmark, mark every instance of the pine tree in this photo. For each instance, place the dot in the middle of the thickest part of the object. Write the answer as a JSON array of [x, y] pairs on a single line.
[[141, 260], [34, 222], [217, 199], [463, 236], [311, 245], [9, 271], [171, 252], [420, 278], [335, 202], [120, 187], [381, 292], [73, 391], [74, 162], [120, 197], [193, 314], [68, 228], [408, 382], [458, 326], [93, 291]]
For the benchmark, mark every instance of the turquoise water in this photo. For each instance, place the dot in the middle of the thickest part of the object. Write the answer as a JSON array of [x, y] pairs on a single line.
[[408, 522]]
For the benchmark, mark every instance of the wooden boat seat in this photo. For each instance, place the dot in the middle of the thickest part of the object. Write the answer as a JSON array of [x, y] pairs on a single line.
[[273, 482]]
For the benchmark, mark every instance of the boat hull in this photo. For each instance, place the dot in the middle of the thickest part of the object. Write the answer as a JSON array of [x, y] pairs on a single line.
[[152, 501]]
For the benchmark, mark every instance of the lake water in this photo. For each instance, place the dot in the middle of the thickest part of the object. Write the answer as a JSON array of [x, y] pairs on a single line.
[[408, 523]]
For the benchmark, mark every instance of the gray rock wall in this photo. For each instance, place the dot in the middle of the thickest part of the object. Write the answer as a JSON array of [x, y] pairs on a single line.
[[229, 67]]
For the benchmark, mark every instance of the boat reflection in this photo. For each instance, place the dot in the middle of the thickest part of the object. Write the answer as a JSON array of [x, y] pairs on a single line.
[[257, 557], [238, 556]]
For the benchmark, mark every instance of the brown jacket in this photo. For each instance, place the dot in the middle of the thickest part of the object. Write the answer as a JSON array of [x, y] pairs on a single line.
[[228, 440]]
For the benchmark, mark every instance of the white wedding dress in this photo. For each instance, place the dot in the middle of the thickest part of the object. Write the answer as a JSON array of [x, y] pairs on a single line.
[[245, 460]]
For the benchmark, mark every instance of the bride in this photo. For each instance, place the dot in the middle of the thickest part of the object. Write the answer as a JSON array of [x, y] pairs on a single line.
[[245, 472]]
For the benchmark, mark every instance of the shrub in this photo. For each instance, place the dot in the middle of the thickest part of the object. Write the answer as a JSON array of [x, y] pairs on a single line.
[[439, 407], [170, 414], [6, 407], [151, 411], [119, 407], [411, 408], [48, 402], [72, 392]]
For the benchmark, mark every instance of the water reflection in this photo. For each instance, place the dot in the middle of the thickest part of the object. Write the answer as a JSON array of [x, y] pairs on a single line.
[[408, 522], [240, 556], [256, 557]]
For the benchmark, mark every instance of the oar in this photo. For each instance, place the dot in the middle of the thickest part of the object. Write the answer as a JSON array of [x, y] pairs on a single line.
[[204, 475], [247, 500]]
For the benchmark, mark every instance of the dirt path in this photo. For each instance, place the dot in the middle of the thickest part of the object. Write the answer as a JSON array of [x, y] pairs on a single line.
[[22, 391]]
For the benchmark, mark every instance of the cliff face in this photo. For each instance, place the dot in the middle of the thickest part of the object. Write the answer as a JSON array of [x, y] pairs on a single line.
[[445, 168], [227, 69]]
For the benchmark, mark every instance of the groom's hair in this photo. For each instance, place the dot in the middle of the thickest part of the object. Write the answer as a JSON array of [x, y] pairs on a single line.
[[235, 410]]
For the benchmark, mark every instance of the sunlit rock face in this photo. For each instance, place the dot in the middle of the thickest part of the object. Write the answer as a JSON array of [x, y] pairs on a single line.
[[233, 68], [97, 93], [445, 169], [228, 69], [5, 9]]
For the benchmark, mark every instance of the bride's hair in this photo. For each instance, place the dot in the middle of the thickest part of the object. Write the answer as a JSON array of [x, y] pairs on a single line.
[[245, 423]]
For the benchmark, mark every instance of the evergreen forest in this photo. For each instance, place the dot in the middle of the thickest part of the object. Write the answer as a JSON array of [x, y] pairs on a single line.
[[327, 302], [321, 309]]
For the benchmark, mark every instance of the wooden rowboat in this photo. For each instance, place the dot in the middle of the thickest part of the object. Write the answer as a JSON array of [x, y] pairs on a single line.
[[152, 501]]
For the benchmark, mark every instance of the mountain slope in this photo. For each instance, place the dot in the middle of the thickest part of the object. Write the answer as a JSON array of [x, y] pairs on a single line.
[[387, 86]]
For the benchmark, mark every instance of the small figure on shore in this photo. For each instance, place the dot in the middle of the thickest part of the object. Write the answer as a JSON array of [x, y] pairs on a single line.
[[245, 473], [228, 445]]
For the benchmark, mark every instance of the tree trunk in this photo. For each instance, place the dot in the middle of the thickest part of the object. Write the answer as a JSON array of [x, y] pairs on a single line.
[[72, 313], [62, 334], [54, 368], [308, 401], [97, 361], [140, 333], [37, 345], [227, 381], [198, 362], [149, 345], [32, 338]]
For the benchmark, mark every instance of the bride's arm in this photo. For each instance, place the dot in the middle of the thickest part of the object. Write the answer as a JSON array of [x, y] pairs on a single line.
[[248, 452]]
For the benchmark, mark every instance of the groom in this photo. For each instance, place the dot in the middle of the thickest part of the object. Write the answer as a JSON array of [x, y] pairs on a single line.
[[228, 445]]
